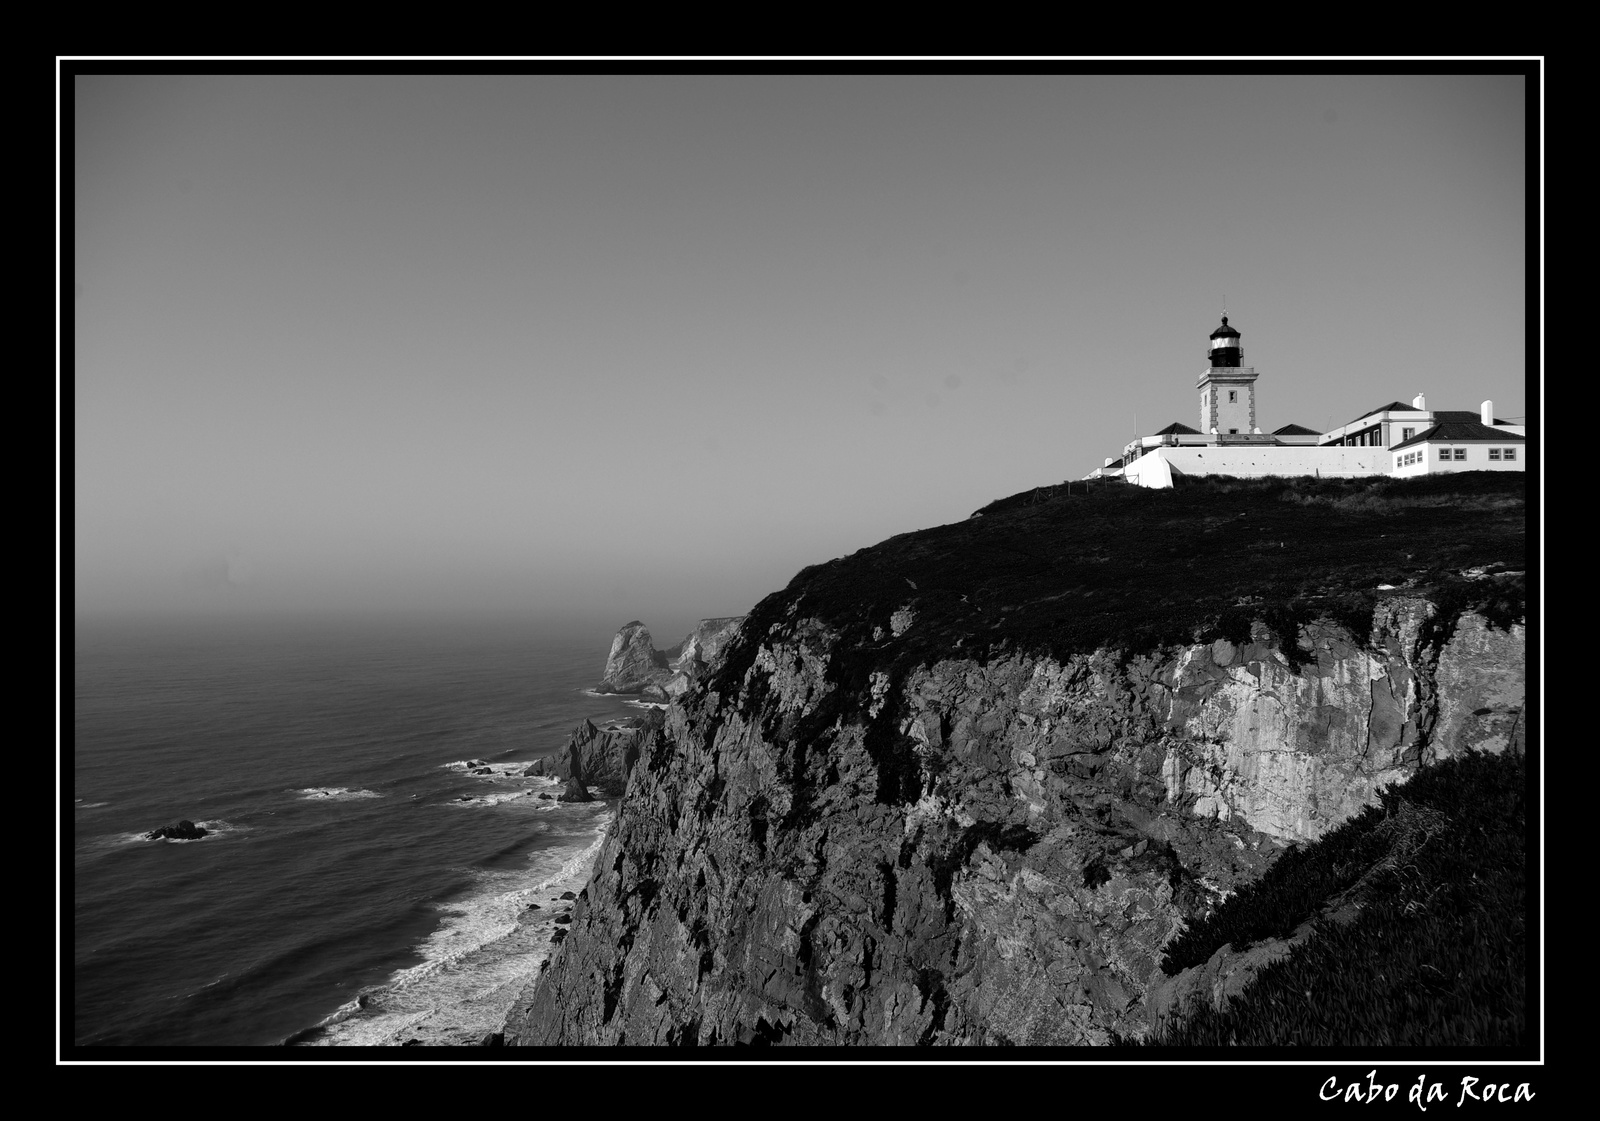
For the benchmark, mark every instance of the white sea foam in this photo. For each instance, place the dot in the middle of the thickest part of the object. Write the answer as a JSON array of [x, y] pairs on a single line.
[[335, 794], [487, 946]]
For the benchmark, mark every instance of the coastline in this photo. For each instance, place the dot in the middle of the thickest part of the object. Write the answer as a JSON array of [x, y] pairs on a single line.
[[485, 950]]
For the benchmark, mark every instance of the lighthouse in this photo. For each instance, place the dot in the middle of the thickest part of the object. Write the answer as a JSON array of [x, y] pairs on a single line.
[[1227, 389]]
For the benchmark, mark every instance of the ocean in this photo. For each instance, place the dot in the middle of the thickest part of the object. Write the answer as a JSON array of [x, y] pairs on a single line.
[[359, 886]]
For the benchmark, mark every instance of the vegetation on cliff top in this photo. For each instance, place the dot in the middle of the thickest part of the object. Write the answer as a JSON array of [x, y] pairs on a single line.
[[1436, 955], [1071, 568]]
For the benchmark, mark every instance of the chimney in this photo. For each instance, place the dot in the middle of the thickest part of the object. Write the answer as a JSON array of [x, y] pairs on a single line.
[[1488, 412], [1420, 402]]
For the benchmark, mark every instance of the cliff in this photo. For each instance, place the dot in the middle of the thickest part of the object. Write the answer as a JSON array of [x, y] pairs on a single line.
[[600, 757], [965, 787]]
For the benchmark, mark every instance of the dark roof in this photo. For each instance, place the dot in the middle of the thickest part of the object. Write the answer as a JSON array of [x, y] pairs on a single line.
[[1177, 429], [1460, 431], [1392, 406], [1224, 332], [1296, 430], [1444, 416]]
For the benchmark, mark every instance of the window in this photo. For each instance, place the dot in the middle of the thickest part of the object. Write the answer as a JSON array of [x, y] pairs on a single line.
[[1407, 433], [1444, 454], [1461, 454], [1233, 396], [1494, 453], [1397, 460]]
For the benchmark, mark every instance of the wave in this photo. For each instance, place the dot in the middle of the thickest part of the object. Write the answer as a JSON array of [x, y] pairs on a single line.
[[486, 947], [497, 799], [335, 793]]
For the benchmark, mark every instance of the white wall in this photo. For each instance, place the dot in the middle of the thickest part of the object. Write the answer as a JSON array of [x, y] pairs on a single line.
[[1477, 459], [1155, 468]]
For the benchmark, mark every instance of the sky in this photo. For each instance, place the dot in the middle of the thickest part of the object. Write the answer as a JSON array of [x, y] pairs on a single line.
[[645, 346]]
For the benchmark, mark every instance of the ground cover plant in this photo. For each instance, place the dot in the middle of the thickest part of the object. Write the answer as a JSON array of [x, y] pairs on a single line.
[[1437, 953], [1079, 566]]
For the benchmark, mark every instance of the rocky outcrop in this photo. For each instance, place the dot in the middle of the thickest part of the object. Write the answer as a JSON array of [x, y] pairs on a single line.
[[575, 791], [634, 665], [600, 757], [981, 853], [633, 662], [184, 830]]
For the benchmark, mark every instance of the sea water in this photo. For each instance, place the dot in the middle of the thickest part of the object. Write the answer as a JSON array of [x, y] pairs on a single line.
[[358, 884]]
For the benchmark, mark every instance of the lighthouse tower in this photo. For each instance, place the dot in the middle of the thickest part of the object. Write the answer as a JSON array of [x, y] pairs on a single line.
[[1227, 389]]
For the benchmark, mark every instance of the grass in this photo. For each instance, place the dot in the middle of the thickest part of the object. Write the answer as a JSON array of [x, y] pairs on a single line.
[[1437, 956], [1071, 568]]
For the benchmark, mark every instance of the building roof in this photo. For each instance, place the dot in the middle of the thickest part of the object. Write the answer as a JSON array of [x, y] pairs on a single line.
[[1442, 416], [1177, 429], [1462, 431], [1225, 332], [1393, 407], [1296, 430]]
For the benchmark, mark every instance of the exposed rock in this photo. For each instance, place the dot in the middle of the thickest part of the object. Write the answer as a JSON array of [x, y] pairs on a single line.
[[569, 895], [633, 662], [602, 758], [634, 665], [878, 820], [999, 856], [575, 791], [184, 830]]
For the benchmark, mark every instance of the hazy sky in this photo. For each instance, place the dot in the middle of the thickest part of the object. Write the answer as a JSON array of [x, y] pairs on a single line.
[[646, 346]]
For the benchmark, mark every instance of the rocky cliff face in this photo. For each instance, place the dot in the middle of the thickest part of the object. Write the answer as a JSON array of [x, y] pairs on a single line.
[[600, 757], [840, 836]]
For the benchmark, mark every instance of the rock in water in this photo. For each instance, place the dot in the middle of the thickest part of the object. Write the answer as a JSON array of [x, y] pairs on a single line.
[[575, 791], [185, 830], [634, 662], [636, 666]]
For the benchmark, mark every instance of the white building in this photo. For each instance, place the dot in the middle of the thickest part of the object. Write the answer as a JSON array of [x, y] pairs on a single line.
[[1394, 439], [1468, 445]]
